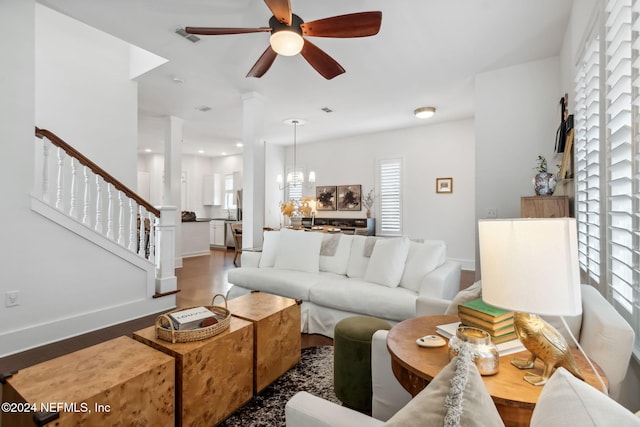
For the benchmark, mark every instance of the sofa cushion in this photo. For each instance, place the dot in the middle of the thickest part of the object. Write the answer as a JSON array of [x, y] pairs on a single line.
[[359, 256], [269, 249], [359, 296], [334, 253], [566, 396], [422, 259], [387, 261], [430, 406], [286, 283], [298, 251]]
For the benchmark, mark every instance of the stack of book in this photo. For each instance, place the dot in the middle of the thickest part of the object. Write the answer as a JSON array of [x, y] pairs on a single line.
[[496, 321]]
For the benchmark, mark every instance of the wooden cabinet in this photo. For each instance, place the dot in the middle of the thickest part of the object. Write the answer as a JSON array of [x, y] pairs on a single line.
[[544, 207]]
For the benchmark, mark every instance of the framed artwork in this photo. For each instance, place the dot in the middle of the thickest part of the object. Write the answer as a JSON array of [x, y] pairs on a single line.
[[326, 197], [349, 197], [444, 185]]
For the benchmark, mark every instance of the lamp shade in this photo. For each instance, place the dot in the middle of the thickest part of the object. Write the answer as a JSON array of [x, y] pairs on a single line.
[[531, 265]]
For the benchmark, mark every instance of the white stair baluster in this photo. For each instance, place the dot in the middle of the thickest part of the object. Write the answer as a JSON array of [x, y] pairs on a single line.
[[141, 231], [45, 170], [109, 212], [86, 199], [120, 218], [73, 211], [98, 227], [59, 191], [152, 237], [133, 226]]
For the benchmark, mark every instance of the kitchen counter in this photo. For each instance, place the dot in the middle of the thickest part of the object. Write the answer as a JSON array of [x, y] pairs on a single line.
[[195, 238]]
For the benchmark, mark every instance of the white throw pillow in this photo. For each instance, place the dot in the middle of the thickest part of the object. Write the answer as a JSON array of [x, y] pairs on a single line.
[[337, 260], [358, 260], [472, 292], [429, 407], [566, 400], [422, 259], [298, 251], [269, 249], [387, 261]]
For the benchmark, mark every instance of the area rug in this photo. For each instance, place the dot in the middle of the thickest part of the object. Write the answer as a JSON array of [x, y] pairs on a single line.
[[313, 374]]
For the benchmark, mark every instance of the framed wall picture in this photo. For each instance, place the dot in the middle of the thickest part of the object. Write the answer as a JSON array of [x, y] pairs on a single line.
[[444, 185], [349, 197], [326, 197]]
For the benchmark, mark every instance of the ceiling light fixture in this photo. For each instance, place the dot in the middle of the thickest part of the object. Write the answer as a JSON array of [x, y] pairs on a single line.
[[286, 39], [424, 112]]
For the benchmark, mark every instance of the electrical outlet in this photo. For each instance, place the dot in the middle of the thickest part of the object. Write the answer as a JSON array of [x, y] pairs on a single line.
[[12, 298], [492, 213]]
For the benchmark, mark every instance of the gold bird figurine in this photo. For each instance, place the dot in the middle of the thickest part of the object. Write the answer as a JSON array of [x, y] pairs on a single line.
[[545, 343]]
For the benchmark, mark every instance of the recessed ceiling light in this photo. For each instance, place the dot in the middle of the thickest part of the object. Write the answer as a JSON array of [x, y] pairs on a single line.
[[239, 145], [177, 79], [203, 108], [223, 153], [200, 151], [147, 150], [424, 112]]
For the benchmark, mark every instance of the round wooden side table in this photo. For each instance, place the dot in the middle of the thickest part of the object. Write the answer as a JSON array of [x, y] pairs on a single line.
[[415, 367]]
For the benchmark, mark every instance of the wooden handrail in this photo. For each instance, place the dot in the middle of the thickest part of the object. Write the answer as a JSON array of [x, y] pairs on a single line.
[[57, 141]]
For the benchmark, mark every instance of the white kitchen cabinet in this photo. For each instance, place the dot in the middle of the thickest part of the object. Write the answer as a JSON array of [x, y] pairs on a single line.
[[216, 233], [212, 190]]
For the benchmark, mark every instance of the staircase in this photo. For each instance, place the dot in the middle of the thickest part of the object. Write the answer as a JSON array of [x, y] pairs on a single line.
[[76, 193]]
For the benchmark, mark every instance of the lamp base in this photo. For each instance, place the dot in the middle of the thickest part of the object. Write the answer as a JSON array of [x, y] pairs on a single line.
[[545, 343]]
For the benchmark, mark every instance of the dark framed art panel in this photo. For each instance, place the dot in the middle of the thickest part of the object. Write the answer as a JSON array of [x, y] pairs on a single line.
[[349, 197], [326, 197]]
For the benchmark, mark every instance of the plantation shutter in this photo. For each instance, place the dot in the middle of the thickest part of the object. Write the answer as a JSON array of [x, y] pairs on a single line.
[[587, 157], [390, 173], [622, 277]]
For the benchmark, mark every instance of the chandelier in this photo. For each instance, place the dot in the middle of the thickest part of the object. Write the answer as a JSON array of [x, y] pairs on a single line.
[[295, 177]]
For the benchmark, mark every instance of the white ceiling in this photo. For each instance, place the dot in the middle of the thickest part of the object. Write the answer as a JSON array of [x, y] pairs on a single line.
[[426, 54]]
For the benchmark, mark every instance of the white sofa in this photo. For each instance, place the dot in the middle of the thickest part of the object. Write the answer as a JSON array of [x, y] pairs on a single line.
[[604, 335], [337, 275]]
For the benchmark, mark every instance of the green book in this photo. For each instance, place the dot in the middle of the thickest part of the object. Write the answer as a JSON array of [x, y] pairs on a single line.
[[481, 309]]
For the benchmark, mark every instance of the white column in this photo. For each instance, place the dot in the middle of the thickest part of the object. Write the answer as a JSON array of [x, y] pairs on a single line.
[[165, 236], [253, 169], [172, 175]]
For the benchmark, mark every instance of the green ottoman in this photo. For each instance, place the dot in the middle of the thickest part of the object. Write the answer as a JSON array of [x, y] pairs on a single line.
[[352, 360]]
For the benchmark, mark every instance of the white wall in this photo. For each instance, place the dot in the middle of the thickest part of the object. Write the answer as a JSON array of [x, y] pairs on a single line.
[[84, 94], [67, 285], [428, 152], [517, 115]]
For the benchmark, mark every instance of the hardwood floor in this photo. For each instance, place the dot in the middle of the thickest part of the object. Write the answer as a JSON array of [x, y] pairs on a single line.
[[199, 279]]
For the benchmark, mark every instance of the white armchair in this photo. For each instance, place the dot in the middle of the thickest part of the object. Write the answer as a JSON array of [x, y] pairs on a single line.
[[604, 335]]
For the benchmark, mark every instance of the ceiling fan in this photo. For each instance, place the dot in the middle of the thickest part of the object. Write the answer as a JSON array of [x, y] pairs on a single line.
[[287, 31]]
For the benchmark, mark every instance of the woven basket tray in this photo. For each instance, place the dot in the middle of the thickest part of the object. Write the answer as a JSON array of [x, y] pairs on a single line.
[[165, 330]]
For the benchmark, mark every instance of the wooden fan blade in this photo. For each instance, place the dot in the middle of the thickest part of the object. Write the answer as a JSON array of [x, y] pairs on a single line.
[[361, 24], [263, 63], [281, 9], [320, 61], [212, 31]]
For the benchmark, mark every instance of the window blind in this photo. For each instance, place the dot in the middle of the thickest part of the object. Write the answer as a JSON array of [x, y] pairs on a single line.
[[587, 156], [390, 175]]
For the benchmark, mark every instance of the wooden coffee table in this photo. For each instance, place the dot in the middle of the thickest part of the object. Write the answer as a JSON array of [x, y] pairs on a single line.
[[277, 338], [415, 367], [214, 376]]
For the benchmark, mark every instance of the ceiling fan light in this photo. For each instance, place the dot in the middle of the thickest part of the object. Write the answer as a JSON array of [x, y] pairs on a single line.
[[287, 43], [424, 112]]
